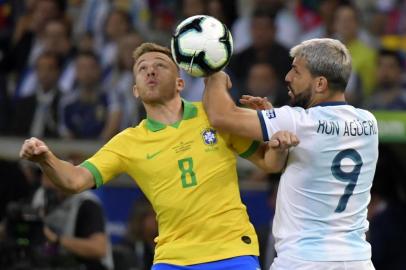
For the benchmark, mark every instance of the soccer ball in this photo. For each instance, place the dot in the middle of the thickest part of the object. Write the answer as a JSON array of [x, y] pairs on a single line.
[[201, 45]]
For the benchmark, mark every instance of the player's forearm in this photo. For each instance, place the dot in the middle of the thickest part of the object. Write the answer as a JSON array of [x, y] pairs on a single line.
[[94, 247], [63, 174], [222, 112], [275, 160], [218, 103]]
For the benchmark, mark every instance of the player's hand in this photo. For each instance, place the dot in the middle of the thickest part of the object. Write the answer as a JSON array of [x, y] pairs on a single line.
[[34, 150], [50, 235], [256, 103], [221, 77], [283, 140]]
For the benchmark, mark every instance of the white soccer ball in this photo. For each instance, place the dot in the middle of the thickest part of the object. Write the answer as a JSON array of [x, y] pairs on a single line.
[[201, 45]]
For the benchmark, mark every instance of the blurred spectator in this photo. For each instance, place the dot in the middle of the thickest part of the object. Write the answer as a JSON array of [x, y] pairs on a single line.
[[325, 29], [193, 7], [387, 212], [4, 106], [390, 93], [384, 17], [118, 24], [386, 233], [347, 23], [17, 189], [140, 13], [306, 12], [225, 11], [75, 225], [30, 44], [137, 249], [287, 27], [264, 48], [58, 39], [24, 19], [89, 16], [90, 112], [263, 82], [122, 81], [38, 114], [86, 43]]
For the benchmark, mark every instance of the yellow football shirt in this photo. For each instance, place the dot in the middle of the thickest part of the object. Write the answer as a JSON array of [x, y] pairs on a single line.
[[188, 173]]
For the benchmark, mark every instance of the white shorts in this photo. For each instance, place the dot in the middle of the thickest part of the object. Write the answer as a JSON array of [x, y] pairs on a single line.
[[295, 264]]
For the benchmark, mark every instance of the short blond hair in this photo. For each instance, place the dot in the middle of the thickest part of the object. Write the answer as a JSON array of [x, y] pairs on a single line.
[[147, 47]]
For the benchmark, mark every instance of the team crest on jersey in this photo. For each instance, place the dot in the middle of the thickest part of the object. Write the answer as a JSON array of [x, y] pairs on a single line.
[[209, 136], [270, 114]]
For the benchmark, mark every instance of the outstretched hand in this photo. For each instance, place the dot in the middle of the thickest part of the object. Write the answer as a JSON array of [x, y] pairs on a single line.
[[256, 103], [283, 140], [34, 150]]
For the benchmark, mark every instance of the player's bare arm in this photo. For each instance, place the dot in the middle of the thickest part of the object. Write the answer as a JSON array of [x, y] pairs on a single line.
[[69, 178], [272, 156], [95, 246], [278, 150], [224, 114]]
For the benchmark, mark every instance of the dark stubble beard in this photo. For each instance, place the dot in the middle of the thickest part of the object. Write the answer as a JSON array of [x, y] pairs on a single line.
[[302, 99]]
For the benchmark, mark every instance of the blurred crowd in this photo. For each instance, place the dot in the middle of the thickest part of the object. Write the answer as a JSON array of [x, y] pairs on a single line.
[[66, 73], [66, 65]]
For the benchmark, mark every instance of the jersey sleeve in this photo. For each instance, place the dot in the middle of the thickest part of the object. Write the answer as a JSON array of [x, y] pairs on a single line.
[[108, 162], [244, 147], [277, 119]]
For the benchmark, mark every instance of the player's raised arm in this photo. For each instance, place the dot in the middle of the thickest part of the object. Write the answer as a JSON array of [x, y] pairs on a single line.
[[224, 114], [70, 178]]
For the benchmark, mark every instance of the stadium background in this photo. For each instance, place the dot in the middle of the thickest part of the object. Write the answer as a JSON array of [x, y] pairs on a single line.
[[109, 30]]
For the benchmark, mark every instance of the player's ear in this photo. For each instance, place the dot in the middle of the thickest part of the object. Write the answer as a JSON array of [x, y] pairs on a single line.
[[321, 84], [180, 84], [135, 91]]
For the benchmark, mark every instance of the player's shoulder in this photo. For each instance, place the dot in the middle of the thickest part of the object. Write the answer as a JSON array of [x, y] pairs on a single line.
[[288, 110], [131, 133], [366, 113], [362, 114]]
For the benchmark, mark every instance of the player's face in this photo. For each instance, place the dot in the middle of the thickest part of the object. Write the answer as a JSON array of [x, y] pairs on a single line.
[[300, 83], [156, 78]]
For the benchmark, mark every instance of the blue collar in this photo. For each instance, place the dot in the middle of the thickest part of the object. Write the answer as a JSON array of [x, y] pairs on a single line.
[[331, 103]]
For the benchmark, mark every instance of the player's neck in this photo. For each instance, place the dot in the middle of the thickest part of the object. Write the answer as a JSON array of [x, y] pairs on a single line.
[[335, 96], [168, 113]]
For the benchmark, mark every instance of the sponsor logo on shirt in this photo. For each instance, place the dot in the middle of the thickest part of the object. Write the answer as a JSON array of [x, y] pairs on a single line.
[[151, 156], [270, 113]]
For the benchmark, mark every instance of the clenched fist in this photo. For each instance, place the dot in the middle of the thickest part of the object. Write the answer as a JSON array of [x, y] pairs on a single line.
[[34, 150]]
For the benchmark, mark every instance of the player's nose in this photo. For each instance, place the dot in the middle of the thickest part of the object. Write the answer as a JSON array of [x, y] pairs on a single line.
[[151, 71], [287, 77]]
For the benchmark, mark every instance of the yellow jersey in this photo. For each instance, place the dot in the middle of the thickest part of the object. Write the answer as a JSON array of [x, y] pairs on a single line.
[[188, 172]]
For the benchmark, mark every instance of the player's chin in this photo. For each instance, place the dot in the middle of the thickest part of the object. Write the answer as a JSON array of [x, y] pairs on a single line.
[[151, 98]]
